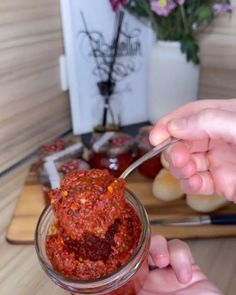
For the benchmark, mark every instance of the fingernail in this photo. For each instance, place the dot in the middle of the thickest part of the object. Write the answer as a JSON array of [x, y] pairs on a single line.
[[158, 134], [177, 124], [155, 138], [161, 260]]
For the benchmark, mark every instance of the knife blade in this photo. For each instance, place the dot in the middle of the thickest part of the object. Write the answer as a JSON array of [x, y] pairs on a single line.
[[225, 219]]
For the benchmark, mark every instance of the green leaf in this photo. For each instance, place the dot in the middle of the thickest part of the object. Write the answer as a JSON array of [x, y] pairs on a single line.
[[204, 13], [190, 47], [136, 8]]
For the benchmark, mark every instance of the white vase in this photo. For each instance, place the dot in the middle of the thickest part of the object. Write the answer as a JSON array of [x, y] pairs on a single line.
[[172, 80]]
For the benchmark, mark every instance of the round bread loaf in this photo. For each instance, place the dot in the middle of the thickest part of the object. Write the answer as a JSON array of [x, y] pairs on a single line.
[[166, 187], [205, 204]]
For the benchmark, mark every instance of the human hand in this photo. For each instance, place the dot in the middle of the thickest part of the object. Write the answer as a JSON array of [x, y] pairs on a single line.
[[175, 272], [205, 159]]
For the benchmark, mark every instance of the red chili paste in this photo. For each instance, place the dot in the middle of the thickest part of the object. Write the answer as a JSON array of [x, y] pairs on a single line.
[[95, 231]]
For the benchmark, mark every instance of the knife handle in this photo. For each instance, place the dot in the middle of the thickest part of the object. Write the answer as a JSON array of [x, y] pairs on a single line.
[[224, 219]]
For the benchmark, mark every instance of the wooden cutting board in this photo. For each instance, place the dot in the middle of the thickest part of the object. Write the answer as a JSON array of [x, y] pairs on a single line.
[[33, 200]]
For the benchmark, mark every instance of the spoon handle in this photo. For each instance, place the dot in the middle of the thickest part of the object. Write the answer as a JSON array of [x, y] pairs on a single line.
[[153, 152]]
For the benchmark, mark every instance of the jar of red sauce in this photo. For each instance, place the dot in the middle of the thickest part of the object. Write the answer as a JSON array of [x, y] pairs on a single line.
[[63, 166], [151, 167], [61, 144], [112, 151], [127, 280]]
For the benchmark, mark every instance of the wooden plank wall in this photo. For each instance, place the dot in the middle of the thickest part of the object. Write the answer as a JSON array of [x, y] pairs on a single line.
[[33, 108], [218, 58]]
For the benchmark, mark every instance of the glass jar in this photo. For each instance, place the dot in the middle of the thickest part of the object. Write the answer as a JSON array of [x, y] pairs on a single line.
[[107, 108], [151, 167], [63, 166], [58, 145], [52, 147], [127, 280], [66, 165], [112, 151]]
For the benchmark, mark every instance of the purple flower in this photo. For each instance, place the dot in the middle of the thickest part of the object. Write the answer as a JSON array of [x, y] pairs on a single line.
[[180, 2], [222, 8], [116, 3], [164, 7]]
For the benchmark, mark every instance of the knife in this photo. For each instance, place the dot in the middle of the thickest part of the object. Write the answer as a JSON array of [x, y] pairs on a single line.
[[226, 219]]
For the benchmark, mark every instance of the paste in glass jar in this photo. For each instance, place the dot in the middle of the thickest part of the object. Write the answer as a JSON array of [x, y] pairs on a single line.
[[95, 230]]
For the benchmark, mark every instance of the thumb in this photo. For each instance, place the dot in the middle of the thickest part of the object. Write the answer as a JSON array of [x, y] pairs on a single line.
[[208, 123]]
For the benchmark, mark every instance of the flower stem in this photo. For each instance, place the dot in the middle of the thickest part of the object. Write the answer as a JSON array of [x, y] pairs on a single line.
[[185, 22], [149, 12]]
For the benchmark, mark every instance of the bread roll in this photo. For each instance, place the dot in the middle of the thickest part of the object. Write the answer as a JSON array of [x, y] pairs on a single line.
[[166, 187], [164, 163], [205, 204]]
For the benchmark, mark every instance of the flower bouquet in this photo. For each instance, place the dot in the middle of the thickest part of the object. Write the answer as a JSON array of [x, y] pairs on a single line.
[[177, 20]]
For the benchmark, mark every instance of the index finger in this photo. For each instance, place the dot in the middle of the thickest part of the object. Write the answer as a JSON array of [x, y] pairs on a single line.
[[160, 131]]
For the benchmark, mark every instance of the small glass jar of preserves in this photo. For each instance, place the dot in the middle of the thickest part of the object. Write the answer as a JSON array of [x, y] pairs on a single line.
[[52, 147], [59, 146], [127, 279], [151, 167], [112, 151], [63, 167]]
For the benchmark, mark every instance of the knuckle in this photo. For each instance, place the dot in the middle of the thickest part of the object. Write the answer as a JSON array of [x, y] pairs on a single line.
[[180, 246], [206, 115], [225, 184]]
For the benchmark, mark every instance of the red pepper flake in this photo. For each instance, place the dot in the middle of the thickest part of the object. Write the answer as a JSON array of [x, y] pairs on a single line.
[[110, 189], [74, 207], [65, 193]]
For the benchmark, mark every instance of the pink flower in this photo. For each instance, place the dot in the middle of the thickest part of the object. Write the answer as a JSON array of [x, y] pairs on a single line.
[[222, 8], [116, 3], [163, 7]]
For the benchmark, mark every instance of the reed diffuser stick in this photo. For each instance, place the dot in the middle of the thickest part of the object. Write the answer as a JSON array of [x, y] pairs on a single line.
[[116, 42], [91, 44]]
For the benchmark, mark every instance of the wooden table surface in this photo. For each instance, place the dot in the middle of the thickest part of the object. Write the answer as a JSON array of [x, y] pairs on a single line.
[[21, 274]]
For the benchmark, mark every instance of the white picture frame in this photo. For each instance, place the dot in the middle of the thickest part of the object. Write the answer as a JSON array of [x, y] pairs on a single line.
[[82, 77]]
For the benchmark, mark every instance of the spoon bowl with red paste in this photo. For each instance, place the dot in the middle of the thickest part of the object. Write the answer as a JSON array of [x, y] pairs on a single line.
[[94, 238]]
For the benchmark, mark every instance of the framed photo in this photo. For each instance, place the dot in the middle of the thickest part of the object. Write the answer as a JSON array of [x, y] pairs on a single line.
[[88, 57]]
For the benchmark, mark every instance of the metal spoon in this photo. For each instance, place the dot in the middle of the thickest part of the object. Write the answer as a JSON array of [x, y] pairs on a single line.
[[153, 152]]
